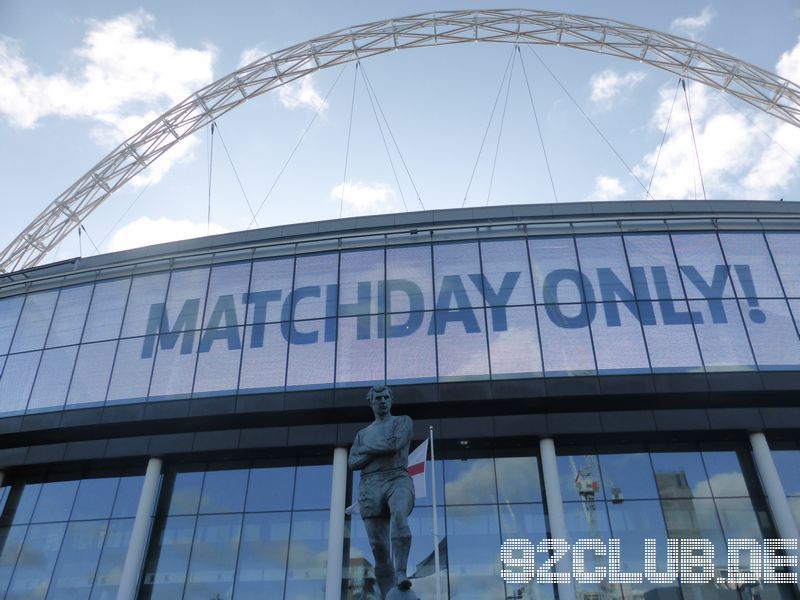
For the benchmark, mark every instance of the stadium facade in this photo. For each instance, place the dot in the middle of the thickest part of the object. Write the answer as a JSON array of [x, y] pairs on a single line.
[[173, 418]]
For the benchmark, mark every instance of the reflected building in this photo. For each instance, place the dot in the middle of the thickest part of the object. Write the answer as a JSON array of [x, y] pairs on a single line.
[[172, 418]]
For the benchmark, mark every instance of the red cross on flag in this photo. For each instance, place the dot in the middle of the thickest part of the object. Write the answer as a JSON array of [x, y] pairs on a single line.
[[416, 468]]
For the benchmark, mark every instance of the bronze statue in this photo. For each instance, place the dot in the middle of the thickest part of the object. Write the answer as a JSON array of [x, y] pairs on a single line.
[[385, 493]]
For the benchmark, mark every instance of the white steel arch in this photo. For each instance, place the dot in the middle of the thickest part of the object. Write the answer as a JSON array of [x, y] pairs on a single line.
[[756, 86]]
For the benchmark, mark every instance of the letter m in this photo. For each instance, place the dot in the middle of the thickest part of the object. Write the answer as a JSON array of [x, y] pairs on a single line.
[[184, 326]]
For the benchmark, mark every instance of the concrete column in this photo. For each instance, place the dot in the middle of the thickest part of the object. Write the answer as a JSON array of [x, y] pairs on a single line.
[[131, 571], [555, 506], [333, 580], [776, 497]]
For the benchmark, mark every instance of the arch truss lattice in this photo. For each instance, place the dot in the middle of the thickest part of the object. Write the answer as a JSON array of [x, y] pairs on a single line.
[[694, 61]]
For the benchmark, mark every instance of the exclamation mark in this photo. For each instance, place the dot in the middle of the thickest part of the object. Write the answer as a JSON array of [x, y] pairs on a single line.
[[746, 281]]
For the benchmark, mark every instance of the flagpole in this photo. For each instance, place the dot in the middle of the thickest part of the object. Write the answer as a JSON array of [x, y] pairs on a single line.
[[435, 519]]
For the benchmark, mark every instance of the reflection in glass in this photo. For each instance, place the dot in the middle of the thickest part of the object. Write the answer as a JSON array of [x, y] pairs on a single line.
[[787, 462], [11, 539], [270, 489], [473, 561], [518, 479], [588, 519], [223, 491], [55, 501], [77, 561], [680, 475], [35, 562], [524, 521], [579, 478], [109, 569], [627, 476], [165, 571], [261, 569], [95, 498], [469, 481], [308, 549], [725, 474], [184, 494], [312, 489], [213, 562]]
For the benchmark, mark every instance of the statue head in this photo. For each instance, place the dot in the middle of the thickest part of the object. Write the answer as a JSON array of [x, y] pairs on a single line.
[[380, 399]]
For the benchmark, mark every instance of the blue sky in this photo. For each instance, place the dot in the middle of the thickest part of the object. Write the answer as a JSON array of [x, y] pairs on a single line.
[[77, 78]]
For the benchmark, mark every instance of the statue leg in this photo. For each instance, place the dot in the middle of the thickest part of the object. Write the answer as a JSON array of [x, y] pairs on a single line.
[[400, 505], [378, 534]]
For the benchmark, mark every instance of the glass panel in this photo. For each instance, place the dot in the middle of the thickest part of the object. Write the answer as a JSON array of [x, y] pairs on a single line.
[[25, 505], [174, 368], [514, 342], [751, 266], [261, 570], [213, 563], [9, 315], [312, 343], [165, 571], [313, 487], [410, 349], [628, 477], [702, 266], [723, 343], [17, 381], [452, 266], [308, 547], [223, 491], [55, 501], [500, 261], [618, 342], [106, 311], [11, 539], [92, 372], [680, 475], [77, 561], [672, 345], [524, 521], [269, 289], [579, 477], [555, 270], [461, 344], [227, 288], [69, 316], [469, 481], [52, 380], [725, 474], [358, 282], [131, 376], [218, 360], [518, 479], [772, 334], [787, 462], [409, 279], [360, 350], [314, 286], [146, 291], [653, 269], [186, 298], [106, 580], [589, 520], [270, 489], [566, 345], [785, 250], [184, 496], [127, 499], [473, 539], [34, 321], [35, 563], [264, 359], [95, 498]]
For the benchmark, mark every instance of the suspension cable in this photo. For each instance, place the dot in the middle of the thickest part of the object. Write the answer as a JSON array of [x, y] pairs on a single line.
[[297, 145], [502, 121], [485, 133], [663, 138], [236, 173], [592, 123], [122, 216], [349, 131], [210, 166], [694, 140], [383, 138], [391, 135], [82, 226], [538, 128]]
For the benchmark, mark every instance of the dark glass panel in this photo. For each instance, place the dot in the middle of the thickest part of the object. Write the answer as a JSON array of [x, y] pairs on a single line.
[[165, 570], [313, 487], [270, 489], [473, 542], [223, 491], [127, 499], [185, 493], [787, 462], [55, 501], [109, 569], [308, 547], [11, 539], [261, 570], [95, 498], [35, 563], [77, 562], [469, 481], [213, 562]]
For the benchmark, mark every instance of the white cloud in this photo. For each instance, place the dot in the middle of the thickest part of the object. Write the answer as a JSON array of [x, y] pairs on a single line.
[[301, 93], [691, 26], [249, 55], [120, 78], [608, 84], [363, 198], [607, 188], [145, 231]]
